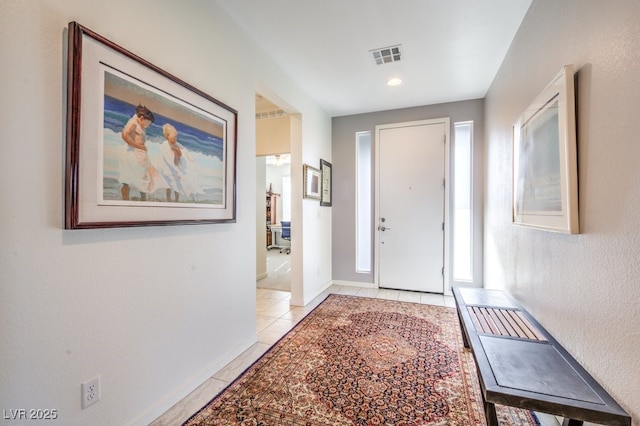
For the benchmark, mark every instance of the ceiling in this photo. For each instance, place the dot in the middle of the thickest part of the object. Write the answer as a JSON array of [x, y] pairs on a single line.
[[450, 49]]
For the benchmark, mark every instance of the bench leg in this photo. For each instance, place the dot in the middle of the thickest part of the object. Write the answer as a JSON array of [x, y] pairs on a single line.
[[490, 413], [572, 422], [464, 334]]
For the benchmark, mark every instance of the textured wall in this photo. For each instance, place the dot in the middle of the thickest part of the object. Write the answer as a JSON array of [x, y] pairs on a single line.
[[583, 288]]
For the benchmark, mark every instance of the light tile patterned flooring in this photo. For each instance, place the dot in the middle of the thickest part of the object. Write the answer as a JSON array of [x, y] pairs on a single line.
[[274, 318], [279, 272]]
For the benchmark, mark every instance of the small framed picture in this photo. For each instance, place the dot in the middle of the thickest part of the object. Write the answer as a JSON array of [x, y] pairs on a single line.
[[312, 182], [325, 188]]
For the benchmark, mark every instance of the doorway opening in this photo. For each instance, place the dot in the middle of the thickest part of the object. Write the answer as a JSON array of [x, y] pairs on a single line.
[[278, 223], [275, 258]]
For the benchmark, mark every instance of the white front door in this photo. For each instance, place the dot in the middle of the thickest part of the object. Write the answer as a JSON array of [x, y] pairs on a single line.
[[410, 207]]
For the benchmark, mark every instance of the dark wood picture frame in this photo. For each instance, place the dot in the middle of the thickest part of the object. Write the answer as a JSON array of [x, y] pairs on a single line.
[[326, 186], [143, 148]]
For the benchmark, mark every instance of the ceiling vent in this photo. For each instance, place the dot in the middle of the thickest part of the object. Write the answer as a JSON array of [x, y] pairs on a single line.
[[386, 55], [271, 114]]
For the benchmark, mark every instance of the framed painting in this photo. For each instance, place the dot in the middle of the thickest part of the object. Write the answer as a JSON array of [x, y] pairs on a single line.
[[143, 148], [325, 187], [545, 175], [311, 181]]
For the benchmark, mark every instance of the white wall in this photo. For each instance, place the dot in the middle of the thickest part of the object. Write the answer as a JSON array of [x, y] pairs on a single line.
[[261, 235], [273, 135], [316, 220], [583, 288], [153, 310]]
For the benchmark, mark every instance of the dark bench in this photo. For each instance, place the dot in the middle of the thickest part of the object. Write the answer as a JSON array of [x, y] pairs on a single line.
[[521, 365]]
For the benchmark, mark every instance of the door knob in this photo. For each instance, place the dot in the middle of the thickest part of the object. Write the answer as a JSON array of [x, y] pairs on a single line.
[[382, 228]]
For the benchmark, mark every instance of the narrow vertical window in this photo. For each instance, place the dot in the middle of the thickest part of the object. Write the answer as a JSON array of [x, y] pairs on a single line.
[[363, 202], [462, 211]]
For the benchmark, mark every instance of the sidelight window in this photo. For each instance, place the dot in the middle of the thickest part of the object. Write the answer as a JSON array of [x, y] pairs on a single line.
[[462, 202], [363, 202]]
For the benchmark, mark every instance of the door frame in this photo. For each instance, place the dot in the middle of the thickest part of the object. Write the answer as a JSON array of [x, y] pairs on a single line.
[[446, 121]]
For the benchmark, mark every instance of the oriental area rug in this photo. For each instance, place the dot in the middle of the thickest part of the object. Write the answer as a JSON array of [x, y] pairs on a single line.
[[361, 361]]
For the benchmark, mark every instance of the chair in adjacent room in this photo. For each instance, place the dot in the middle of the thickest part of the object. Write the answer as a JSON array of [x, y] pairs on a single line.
[[286, 235]]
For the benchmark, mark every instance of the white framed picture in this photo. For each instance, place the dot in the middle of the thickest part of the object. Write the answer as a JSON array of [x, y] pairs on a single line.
[[312, 182], [545, 173]]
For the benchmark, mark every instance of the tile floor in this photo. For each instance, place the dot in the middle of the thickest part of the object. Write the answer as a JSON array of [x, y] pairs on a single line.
[[274, 317], [279, 271]]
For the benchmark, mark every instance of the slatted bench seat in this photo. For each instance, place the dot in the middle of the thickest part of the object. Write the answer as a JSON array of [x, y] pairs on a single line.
[[521, 365]]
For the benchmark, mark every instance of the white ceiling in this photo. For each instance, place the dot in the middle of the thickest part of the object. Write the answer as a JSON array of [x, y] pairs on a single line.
[[451, 49]]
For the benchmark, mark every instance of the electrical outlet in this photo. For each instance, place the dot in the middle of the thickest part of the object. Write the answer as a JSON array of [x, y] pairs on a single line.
[[90, 392]]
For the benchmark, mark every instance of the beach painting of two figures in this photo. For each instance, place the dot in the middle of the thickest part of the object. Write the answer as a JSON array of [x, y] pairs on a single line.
[[158, 150]]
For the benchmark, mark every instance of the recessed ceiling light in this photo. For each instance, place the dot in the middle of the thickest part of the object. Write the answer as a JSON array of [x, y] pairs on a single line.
[[394, 82]]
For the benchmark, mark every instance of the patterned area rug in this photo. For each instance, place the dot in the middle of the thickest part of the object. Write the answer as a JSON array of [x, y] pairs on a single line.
[[361, 361]]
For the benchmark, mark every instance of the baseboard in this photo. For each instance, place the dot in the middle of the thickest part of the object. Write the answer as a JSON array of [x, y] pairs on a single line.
[[178, 394], [354, 284]]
